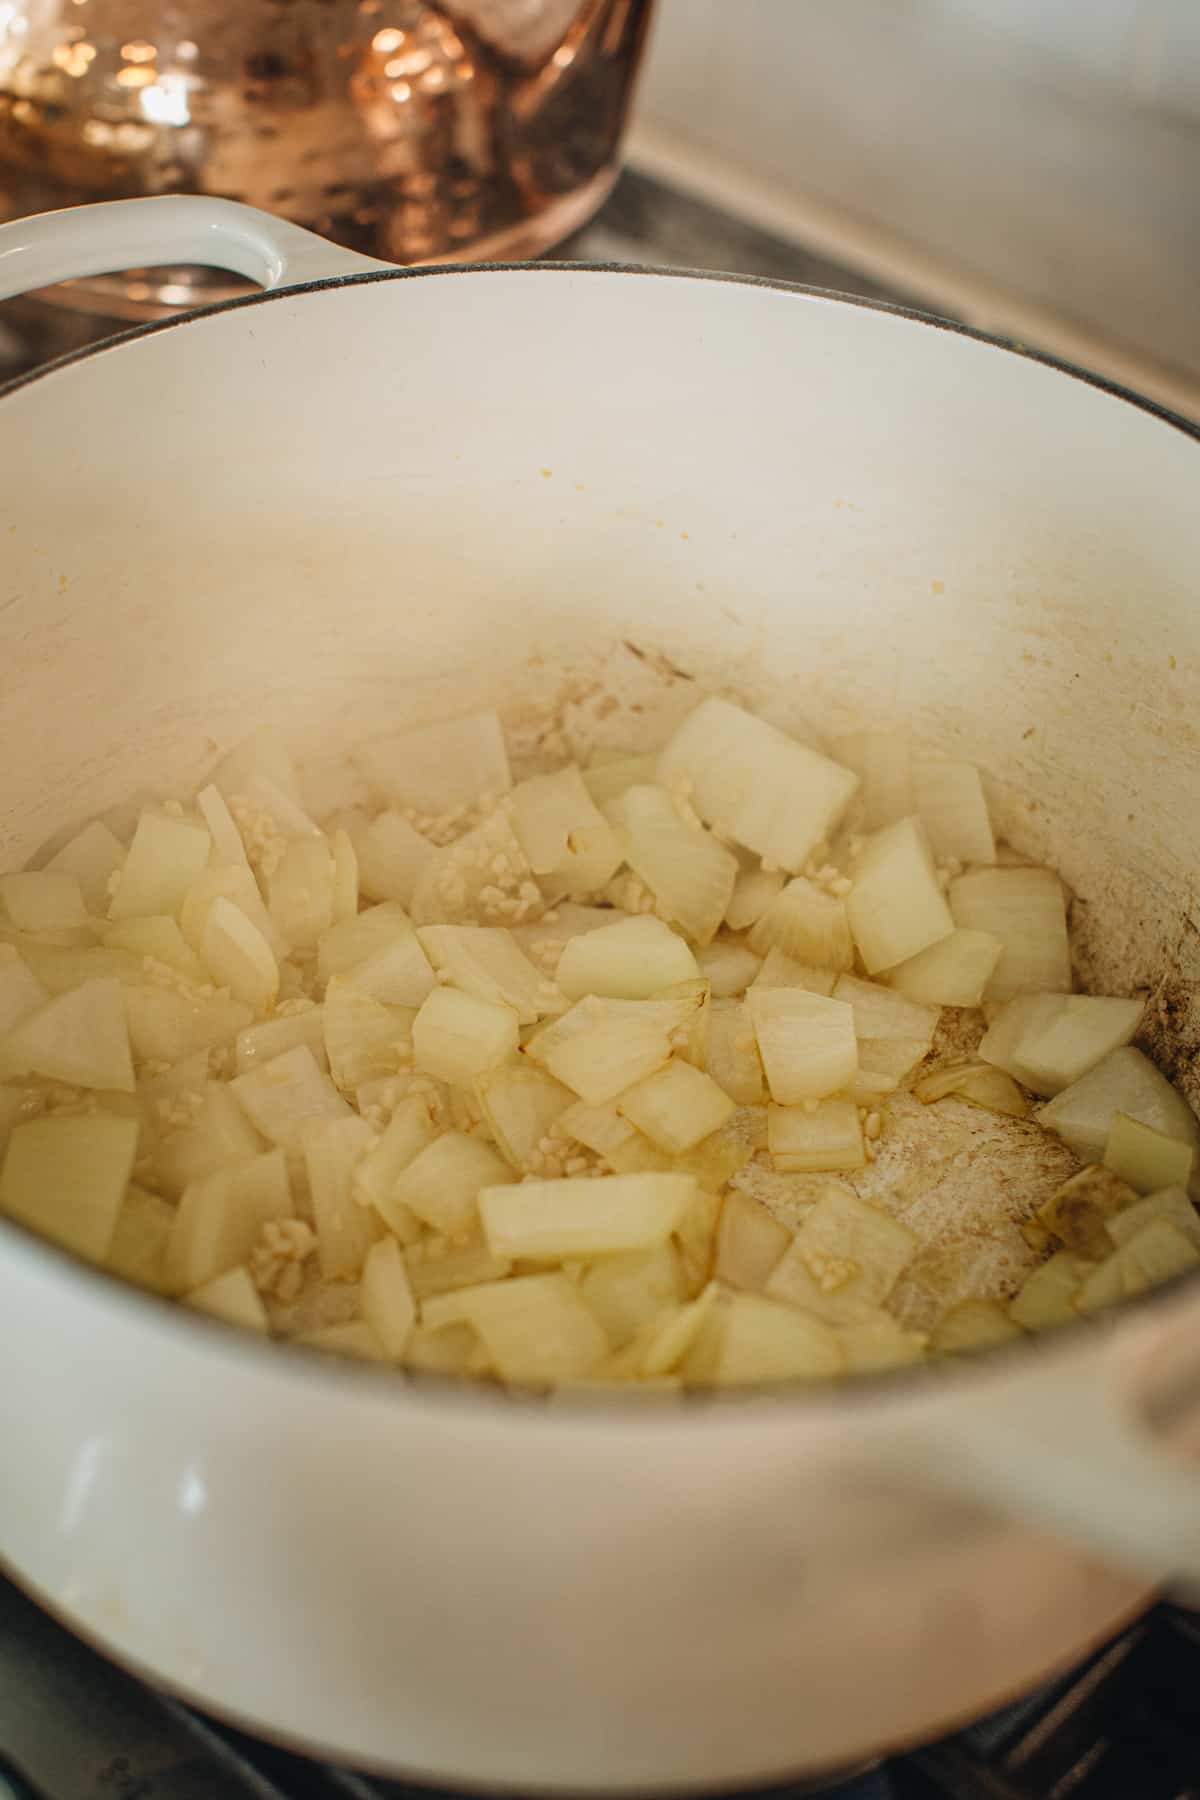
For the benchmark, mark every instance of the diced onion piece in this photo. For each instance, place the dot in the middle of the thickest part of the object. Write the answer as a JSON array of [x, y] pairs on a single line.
[[978, 1083], [220, 1218], [280, 1097], [881, 1013], [882, 760], [598, 1128], [410, 1130], [733, 1059], [62, 966], [457, 1037], [483, 878], [80, 1036], [227, 845], [442, 1183], [386, 1298], [520, 1105], [1048, 1295], [232, 1297], [239, 957], [876, 1341], [754, 784], [66, 1179], [21, 993], [353, 1338], [1147, 1159], [438, 768], [138, 1249], [219, 1136], [1049, 1041], [806, 1042], [1157, 1253], [891, 1059], [1026, 910], [973, 1325], [383, 954], [459, 1266], [345, 877], [556, 1219], [781, 970], [158, 938], [93, 856], [164, 859], [804, 1143], [728, 968], [676, 1106], [672, 1337], [333, 1149], [259, 1043], [896, 907], [449, 1350], [953, 972], [300, 892], [627, 1291], [952, 809], [536, 1328], [392, 857], [808, 924], [607, 1055], [1172, 1203], [363, 1038], [235, 883], [631, 960], [750, 1243], [1078, 1212], [689, 873], [753, 892], [43, 900], [845, 1255], [758, 1340], [606, 780], [167, 1027], [567, 839], [1127, 1082], [485, 961], [689, 1038]]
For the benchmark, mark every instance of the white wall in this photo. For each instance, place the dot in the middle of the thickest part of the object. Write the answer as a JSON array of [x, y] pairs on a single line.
[[1050, 145]]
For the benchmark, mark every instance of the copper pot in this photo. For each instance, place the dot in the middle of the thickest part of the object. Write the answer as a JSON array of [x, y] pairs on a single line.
[[417, 133]]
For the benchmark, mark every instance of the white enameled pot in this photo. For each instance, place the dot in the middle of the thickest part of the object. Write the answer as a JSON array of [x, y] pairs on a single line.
[[371, 496]]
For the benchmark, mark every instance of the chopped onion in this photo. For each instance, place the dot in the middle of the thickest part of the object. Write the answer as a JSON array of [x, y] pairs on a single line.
[[227, 845], [1172, 1203], [1026, 910], [410, 1130], [383, 954], [282, 1096], [239, 957], [729, 968], [219, 1137], [882, 760], [1048, 1295], [671, 1338], [300, 892], [232, 1297], [21, 993], [631, 960], [845, 1255], [753, 892], [555, 1219], [756, 1340], [1049, 1041], [627, 1291], [1078, 1212], [808, 925], [259, 1043], [1147, 1159], [139, 1242], [973, 1325], [953, 972], [1127, 1082], [689, 873], [80, 1036], [521, 1105], [164, 859], [881, 1013], [603, 1052], [458, 1266], [220, 1218], [876, 1341], [733, 1059], [953, 811], [43, 900], [456, 1036], [536, 1328], [437, 768], [607, 780], [392, 857], [345, 878], [93, 857], [570, 844], [386, 1298], [236, 884], [66, 1179], [781, 970], [333, 1149], [676, 1106], [484, 960], [598, 1128], [1156, 1254], [158, 938], [167, 1027], [896, 907], [806, 1042], [363, 1038], [978, 1083], [754, 784], [442, 1183], [353, 1338], [483, 878], [804, 1143], [750, 1243]]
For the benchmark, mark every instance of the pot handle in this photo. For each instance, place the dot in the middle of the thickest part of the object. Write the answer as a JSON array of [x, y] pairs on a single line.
[[1101, 1445], [167, 228]]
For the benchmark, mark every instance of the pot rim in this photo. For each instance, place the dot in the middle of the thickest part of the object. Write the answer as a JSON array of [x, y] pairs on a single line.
[[609, 1404]]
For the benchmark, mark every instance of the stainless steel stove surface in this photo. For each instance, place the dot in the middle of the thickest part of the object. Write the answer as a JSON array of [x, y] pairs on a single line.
[[1126, 1726]]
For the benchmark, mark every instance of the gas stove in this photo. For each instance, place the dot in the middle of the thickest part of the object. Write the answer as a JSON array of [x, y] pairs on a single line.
[[1125, 1726]]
